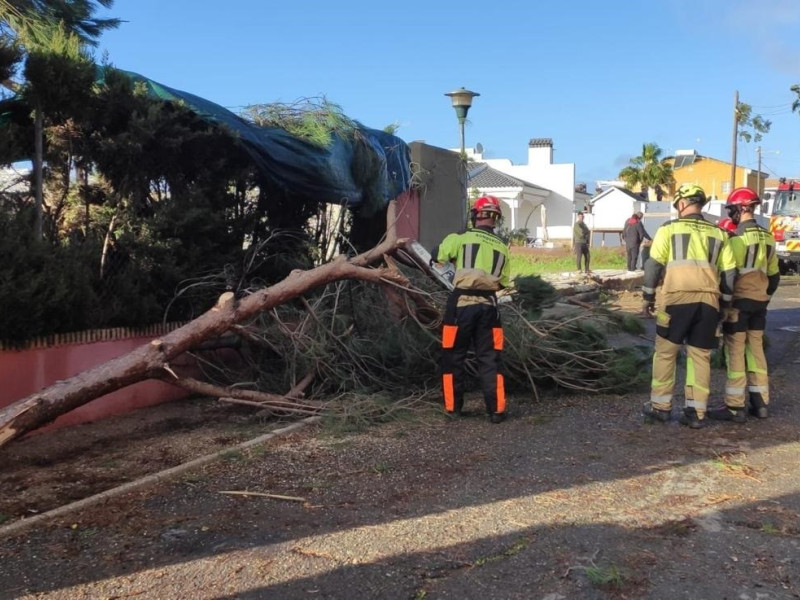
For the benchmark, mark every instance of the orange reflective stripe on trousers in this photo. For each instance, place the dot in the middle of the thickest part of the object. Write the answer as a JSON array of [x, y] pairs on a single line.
[[449, 392], [497, 338], [501, 394], [449, 335]]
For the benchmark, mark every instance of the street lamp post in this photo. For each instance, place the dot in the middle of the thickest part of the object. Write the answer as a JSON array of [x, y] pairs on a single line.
[[462, 100]]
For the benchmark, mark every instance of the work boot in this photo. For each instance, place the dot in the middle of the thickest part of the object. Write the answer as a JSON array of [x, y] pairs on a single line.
[[651, 415], [728, 413], [758, 408], [497, 417], [690, 419]]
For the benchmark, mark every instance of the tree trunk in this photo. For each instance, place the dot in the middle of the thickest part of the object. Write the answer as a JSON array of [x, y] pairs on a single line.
[[38, 169], [152, 360], [106, 244]]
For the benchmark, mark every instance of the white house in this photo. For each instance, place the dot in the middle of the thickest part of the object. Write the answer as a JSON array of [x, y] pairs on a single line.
[[608, 212], [612, 207], [541, 173], [521, 201]]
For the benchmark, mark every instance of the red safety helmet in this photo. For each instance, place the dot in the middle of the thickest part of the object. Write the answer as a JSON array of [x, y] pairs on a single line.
[[488, 204], [742, 196], [727, 224]]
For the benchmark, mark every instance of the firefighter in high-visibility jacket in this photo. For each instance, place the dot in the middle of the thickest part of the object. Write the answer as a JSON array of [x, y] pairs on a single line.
[[471, 317], [743, 324], [692, 259]]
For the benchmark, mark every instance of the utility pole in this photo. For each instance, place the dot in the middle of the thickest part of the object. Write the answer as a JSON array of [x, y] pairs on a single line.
[[733, 140], [758, 185]]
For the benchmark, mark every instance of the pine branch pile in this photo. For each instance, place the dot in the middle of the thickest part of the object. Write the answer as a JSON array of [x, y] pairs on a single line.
[[373, 356]]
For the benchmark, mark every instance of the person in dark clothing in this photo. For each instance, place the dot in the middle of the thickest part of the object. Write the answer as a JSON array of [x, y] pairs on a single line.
[[581, 237], [633, 234], [644, 252]]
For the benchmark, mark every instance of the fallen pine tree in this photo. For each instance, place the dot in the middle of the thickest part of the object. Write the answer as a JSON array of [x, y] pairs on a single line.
[[152, 361], [340, 334]]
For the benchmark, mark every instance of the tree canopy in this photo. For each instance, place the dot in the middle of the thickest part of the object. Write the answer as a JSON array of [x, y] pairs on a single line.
[[750, 127], [31, 22], [648, 169]]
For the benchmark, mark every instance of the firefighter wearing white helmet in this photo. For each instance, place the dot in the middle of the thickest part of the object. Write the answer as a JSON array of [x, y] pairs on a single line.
[[692, 262], [471, 317], [757, 278]]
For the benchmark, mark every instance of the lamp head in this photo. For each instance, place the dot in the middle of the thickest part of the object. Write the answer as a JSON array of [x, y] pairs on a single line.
[[462, 100]]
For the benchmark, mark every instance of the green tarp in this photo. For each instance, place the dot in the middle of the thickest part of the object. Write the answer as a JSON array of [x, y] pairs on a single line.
[[335, 174], [364, 172]]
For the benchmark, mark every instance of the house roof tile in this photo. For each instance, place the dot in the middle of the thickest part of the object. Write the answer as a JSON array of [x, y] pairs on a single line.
[[481, 175]]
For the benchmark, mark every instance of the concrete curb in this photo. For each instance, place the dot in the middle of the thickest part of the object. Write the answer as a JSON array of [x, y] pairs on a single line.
[[20, 525]]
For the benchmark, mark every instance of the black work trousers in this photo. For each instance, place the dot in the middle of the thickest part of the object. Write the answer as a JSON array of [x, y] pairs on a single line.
[[478, 326], [645, 254], [633, 256], [582, 252]]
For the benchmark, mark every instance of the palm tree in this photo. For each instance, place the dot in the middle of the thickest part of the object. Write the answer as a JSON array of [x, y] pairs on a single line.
[[31, 21], [647, 170]]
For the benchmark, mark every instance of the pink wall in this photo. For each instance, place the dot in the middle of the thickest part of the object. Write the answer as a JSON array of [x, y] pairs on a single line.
[[24, 372], [408, 215]]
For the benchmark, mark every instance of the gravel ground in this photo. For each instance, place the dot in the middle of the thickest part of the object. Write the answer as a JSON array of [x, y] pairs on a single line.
[[575, 498], [571, 497]]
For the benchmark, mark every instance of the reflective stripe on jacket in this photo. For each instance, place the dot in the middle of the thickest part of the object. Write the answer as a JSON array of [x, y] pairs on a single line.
[[753, 250], [477, 249], [694, 260]]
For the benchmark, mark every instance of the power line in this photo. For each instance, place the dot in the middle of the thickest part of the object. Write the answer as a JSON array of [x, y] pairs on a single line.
[[770, 106], [776, 113], [766, 168]]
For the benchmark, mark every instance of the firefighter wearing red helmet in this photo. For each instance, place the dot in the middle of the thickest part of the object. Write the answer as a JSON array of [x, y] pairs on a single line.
[[742, 199], [753, 249], [487, 204], [471, 317]]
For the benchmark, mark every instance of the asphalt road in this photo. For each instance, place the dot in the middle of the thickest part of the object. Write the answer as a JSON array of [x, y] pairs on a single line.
[[783, 321]]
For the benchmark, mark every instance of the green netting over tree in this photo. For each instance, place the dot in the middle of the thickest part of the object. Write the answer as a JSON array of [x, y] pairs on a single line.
[[359, 167]]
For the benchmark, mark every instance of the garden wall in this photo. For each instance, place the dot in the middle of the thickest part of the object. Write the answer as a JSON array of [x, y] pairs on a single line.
[[45, 361]]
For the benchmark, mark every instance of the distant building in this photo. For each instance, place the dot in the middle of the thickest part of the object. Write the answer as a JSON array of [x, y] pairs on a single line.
[[520, 200], [611, 208], [546, 200], [711, 174]]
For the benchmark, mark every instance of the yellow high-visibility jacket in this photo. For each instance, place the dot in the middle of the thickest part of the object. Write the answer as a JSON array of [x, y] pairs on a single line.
[[476, 248], [758, 274], [693, 259]]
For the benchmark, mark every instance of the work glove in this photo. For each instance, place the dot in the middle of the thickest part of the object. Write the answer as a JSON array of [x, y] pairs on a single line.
[[648, 308]]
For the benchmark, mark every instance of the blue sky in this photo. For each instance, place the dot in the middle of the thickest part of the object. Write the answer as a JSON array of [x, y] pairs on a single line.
[[599, 78]]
